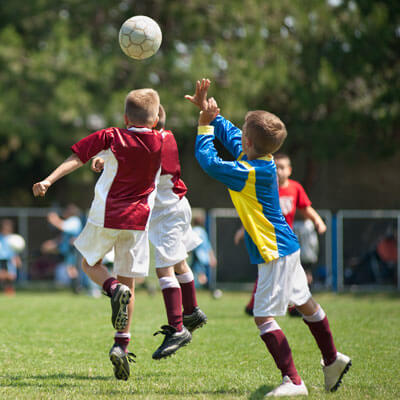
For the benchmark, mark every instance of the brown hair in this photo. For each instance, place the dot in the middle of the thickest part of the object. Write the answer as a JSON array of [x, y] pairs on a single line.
[[141, 106], [161, 118], [266, 131], [282, 156]]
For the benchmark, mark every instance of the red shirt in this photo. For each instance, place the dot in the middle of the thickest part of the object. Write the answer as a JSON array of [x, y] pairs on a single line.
[[292, 197], [170, 163], [124, 193]]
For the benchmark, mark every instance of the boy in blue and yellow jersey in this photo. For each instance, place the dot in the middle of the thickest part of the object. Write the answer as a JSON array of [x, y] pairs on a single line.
[[253, 186]]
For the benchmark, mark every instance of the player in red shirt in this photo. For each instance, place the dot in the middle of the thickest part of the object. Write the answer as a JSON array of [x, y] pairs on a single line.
[[121, 209], [172, 237], [292, 197]]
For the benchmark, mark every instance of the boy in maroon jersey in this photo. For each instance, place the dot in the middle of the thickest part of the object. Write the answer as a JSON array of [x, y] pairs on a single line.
[[172, 237], [120, 212], [292, 197]]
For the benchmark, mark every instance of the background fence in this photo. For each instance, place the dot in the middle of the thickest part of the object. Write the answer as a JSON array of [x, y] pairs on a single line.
[[358, 251]]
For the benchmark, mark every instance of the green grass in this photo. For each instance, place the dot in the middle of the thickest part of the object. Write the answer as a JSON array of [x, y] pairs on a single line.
[[55, 346]]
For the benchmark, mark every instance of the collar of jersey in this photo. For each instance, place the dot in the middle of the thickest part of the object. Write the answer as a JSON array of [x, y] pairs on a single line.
[[267, 157], [139, 129]]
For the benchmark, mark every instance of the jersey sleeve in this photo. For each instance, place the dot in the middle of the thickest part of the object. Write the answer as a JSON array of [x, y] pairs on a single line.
[[231, 173], [302, 199], [91, 145], [228, 134]]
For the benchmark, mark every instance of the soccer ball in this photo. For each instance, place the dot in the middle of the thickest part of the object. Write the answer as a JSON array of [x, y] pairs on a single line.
[[140, 37], [16, 242]]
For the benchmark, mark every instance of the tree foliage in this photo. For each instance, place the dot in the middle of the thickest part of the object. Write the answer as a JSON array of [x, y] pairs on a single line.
[[330, 69]]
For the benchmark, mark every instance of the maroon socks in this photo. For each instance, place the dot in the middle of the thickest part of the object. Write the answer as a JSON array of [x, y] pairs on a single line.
[[109, 286], [279, 348]]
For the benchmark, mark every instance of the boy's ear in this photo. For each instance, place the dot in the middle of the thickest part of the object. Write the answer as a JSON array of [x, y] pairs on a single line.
[[156, 121], [126, 120]]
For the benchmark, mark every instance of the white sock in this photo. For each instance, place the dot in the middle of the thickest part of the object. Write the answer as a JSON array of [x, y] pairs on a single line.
[[186, 277], [168, 282], [319, 315], [268, 327]]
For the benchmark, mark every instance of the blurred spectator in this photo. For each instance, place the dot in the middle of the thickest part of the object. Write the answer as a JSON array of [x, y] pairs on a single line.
[[9, 259], [378, 266], [70, 225], [203, 262]]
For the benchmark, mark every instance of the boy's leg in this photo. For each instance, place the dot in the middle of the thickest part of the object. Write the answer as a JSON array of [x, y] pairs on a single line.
[[193, 317], [277, 344], [172, 294], [334, 364], [119, 293], [119, 355], [176, 335], [250, 305]]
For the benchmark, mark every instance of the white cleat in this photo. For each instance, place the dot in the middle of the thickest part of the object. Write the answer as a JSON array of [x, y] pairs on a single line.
[[288, 388], [334, 373]]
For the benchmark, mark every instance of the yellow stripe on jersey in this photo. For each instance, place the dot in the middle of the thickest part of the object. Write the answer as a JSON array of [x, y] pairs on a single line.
[[250, 211]]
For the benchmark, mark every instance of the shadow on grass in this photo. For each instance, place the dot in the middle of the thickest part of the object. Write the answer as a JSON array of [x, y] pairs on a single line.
[[260, 392]]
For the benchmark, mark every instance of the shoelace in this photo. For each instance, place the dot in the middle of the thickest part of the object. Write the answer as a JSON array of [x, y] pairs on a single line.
[[165, 330]]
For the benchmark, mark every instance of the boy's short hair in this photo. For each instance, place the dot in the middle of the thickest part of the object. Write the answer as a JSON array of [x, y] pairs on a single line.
[[282, 156], [266, 130], [142, 106], [161, 118]]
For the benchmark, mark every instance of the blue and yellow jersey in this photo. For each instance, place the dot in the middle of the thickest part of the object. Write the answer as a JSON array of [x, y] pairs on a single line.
[[253, 187]]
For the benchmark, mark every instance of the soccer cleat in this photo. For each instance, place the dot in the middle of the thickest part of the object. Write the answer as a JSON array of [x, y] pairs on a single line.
[[119, 305], [121, 361], [194, 320], [334, 372], [288, 388], [172, 342]]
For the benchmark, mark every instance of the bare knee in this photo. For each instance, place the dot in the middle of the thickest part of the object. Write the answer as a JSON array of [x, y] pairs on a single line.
[[181, 267], [309, 308]]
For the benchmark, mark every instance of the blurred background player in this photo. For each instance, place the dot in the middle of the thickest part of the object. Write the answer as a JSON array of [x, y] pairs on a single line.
[[203, 261], [9, 258], [120, 211], [271, 244], [172, 237], [70, 226], [292, 197]]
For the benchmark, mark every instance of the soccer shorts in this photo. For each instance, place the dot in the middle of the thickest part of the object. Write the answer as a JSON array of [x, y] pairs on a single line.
[[280, 282], [131, 248], [171, 233]]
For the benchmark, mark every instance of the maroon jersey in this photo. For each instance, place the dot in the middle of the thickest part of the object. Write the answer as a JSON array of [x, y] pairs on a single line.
[[124, 193], [170, 188]]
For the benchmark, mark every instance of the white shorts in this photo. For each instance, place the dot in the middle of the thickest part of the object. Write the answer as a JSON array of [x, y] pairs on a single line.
[[131, 248], [280, 282], [171, 233]]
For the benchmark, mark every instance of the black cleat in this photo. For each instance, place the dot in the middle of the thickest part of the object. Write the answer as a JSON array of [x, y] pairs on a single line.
[[121, 361], [119, 305], [194, 320], [172, 342]]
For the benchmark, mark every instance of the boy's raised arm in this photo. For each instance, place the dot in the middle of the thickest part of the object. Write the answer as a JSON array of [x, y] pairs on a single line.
[[70, 164]]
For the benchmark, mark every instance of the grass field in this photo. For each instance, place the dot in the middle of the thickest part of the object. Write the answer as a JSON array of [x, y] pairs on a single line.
[[55, 346]]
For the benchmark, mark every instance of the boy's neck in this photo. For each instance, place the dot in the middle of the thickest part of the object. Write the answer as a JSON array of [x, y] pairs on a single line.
[[284, 184]]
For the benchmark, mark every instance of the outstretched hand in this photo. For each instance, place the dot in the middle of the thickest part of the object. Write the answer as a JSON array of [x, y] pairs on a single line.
[[209, 112], [199, 98]]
